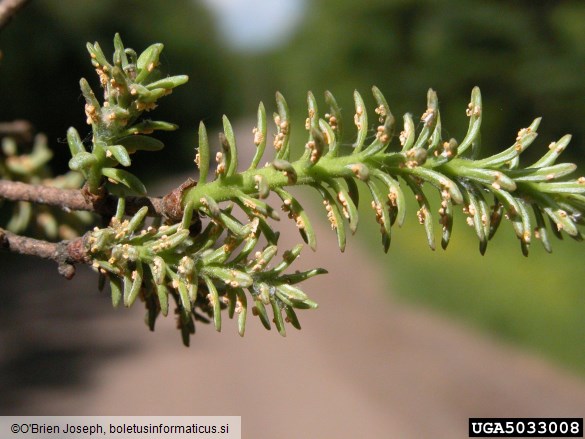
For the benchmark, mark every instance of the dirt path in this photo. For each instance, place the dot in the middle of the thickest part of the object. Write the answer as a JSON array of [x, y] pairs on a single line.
[[363, 366], [393, 371]]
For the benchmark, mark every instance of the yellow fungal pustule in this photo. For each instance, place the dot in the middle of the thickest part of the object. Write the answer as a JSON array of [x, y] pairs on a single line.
[[314, 156], [360, 171], [258, 136], [91, 113], [523, 132], [381, 134], [392, 197], [182, 268], [157, 266], [403, 136], [330, 214], [428, 116], [443, 218], [473, 110], [145, 106], [381, 111], [309, 119], [359, 111], [287, 207], [257, 181], [447, 150], [220, 164], [497, 179], [300, 222], [379, 213], [102, 75], [326, 136], [421, 214], [332, 120], [416, 157], [445, 194], [344, 205], [239, 307], [278, 141]]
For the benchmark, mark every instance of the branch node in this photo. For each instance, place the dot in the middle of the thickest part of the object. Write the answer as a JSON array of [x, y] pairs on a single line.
[[172, 206], [97, 200], [66, 270], [73, 251]]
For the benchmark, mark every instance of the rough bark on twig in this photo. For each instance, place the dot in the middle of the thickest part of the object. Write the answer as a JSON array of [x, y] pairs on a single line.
[[68, 253], [74, 199], [65, 253]]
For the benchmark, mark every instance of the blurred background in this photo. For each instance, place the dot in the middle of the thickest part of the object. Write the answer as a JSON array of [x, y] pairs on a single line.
[[448, 334]]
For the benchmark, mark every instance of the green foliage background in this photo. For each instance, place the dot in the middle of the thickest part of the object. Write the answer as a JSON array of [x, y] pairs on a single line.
[[528, 58], [45, 56]]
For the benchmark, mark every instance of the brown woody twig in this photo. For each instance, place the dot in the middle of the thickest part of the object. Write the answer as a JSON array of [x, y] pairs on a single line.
[[68, 253], [76, 199], [65, 253]]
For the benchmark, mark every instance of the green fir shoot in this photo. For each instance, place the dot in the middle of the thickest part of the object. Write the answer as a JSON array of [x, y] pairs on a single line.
[[169, 261]]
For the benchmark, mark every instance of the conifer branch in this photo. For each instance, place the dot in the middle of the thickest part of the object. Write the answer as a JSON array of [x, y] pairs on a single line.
[[486, 188], [168, 259]]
